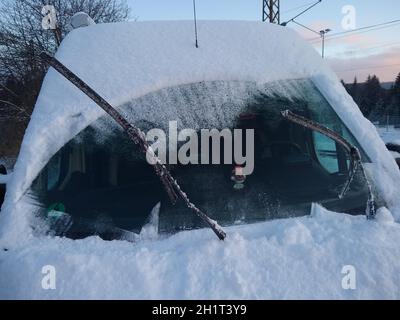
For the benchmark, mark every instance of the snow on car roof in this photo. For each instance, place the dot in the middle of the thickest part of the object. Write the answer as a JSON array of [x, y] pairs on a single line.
[[124, 61]]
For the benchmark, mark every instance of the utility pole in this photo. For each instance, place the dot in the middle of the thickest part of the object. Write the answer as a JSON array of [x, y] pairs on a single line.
[[271, 11], [323, 33]]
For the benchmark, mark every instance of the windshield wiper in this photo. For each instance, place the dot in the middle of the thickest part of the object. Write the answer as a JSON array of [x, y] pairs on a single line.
[[355, 157], [135, 134]]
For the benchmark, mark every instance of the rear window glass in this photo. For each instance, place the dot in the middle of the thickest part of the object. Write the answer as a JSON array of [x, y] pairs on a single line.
[[100, 184]]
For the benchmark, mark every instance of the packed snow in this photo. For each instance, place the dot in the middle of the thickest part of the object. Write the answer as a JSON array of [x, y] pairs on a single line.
[[300, 258]]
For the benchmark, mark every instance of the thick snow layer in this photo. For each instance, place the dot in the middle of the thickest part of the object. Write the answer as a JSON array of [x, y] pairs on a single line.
[[124, 61], [128, 60], [300, 258]]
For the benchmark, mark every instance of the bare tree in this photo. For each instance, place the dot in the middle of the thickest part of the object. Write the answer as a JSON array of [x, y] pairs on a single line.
[[22, 38]]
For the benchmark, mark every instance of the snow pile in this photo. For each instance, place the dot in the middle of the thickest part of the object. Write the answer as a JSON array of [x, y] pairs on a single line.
[[300, 258], [383, 215]]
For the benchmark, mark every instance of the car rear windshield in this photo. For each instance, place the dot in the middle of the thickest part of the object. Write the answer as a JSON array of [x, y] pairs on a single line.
[[101, 184]]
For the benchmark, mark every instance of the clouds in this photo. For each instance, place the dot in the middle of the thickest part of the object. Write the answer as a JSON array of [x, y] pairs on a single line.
[[386, 65], [357, 54]]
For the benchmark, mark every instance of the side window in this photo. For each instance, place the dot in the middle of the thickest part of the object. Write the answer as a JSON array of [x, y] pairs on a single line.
[[326, 151], [54, 172], [331, 156]]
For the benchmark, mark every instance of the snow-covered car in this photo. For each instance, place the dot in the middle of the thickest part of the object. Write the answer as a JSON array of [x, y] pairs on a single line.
[[79, 175]]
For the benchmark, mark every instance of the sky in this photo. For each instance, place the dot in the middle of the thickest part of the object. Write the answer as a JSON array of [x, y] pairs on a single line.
[[353, 54]]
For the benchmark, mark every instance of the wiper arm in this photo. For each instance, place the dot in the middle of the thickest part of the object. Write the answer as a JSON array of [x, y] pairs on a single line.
[[170, 184], [355, 157]]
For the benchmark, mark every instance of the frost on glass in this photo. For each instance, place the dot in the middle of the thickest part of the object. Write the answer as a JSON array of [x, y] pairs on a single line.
[[103, 185]]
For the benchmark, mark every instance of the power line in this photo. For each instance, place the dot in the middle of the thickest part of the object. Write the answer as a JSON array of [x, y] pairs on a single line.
[[361, 32], [299, 7], [366, 29], [374, 47], [305, 27], [321, 33], [301, 13]]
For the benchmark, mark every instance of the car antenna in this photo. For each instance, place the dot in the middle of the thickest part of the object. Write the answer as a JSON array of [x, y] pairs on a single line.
[[195, 23]]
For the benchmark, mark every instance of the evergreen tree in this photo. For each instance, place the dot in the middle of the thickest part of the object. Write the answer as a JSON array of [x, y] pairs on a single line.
[[354, 88], [372, 93], [396, 86], [395, 98], [355, 91]]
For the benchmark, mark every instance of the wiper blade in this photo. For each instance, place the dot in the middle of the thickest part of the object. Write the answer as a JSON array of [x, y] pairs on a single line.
[[170, 184], [355, 157]]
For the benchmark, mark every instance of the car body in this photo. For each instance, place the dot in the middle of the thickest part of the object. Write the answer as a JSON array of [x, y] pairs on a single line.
[[79, 175]]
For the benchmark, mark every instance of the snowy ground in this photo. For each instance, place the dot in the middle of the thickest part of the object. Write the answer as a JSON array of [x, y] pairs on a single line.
[[287, 259], [300, 258], [390, 135]]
